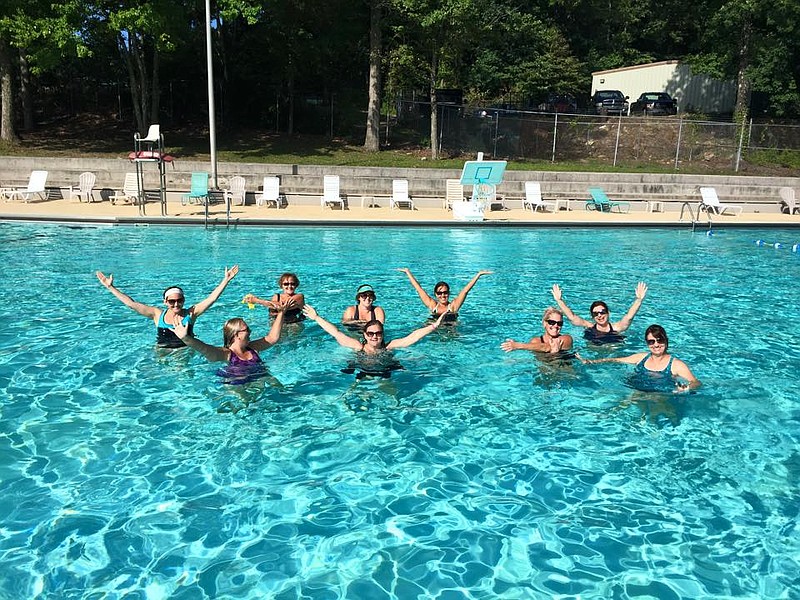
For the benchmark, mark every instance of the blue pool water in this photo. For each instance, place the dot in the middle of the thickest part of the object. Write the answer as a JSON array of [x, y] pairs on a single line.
[[469, 474]]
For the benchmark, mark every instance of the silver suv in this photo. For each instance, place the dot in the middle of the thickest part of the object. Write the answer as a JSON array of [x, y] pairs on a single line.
[[609, 102]]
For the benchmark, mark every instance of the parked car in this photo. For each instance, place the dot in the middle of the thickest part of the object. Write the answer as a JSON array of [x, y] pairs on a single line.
[[609, 102], [655, 103]]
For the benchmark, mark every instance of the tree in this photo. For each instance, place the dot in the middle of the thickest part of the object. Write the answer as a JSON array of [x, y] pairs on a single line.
[[372, 136]]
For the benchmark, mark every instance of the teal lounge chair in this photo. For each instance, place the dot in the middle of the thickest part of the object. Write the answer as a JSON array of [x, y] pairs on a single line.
[[602, 203], [198, 194]]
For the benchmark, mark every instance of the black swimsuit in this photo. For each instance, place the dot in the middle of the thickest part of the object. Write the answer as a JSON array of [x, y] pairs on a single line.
[[292, 315], [595, 336]]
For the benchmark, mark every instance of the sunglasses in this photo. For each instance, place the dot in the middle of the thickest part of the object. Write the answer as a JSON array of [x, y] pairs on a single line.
[[367, 295], [171, 301], [293, 284], [597, 313], [373, 333], [554, 322], [442, 292], [245, 330], [653, 342]]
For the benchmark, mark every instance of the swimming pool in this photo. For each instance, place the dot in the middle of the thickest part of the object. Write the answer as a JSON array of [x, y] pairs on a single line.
[[470, 474]]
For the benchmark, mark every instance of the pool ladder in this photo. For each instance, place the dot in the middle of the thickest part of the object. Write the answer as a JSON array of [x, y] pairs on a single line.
[[694, 216]]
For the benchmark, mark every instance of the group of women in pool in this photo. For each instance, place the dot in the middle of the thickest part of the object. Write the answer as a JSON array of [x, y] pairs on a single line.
[[656, 368]]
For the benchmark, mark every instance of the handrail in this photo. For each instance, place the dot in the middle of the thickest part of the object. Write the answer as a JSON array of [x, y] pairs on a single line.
[[695, 218]]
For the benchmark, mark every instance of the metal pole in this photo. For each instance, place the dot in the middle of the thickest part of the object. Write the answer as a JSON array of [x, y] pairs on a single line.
[[678, 145], [616, 144], [496, 128], [739, 151], [212, 130], [555, 130]]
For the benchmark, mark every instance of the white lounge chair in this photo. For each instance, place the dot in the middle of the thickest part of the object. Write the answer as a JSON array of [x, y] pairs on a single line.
[[35, 188], [271, 193], [789, 200], [84, 188], [235, 194], [454, 192], [330, 193], [400, 197], [130, 190], [533, 198], [710, 203]]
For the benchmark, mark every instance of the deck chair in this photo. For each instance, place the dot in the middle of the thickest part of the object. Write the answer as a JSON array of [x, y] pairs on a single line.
[[271, 193], [152, 138], [198, 194], [454, 192], [400, 197], [602, 203], [789, 201], [35, 188], [84, 188], [130, 190], [711, 204], [533, 198], [330, 193], [235, 194]]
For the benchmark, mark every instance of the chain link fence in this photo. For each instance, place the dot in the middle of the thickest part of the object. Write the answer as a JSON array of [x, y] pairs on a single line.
[[668, 141]]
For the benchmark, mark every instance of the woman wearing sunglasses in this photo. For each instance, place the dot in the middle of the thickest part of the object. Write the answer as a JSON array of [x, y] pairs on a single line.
[[165, 319], [287, 298], [656, 370], [601, 330], [373, 344], [552, 341], [238, 350], [355, 317], [441, 304]]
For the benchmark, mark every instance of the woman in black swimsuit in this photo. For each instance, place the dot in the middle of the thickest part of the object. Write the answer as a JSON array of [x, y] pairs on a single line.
[[364, 310], [287, 297], [602, 330], [442, 305], [550, 342]]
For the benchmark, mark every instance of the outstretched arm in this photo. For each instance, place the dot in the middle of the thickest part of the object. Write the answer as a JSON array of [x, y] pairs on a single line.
[[204, 305], [628, 360], [212, 353], [510, 345], [455, 306], [625, 322], [682, 370], [142, 309], [343, 339], [416, 335], [423, 295], [573, 318], [274, 332]]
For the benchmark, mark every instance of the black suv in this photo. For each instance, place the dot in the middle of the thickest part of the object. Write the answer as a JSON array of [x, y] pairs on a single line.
[[609, 102], [655, 103]]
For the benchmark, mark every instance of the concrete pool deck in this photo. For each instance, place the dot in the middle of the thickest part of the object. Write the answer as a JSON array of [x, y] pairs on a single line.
[[71, 211]]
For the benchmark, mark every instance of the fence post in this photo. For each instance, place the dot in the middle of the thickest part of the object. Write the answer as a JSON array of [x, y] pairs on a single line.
[[616, 144], [678, 145], [555, 130], [739, 151], [496, 128]]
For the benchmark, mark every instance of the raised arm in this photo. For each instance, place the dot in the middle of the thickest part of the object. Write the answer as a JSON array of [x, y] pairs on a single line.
[[204, 305], [416, 335], [625, 322], [343, 339], [143, 309], [212, 353], [423, 295], [573, 318], [274, 332], [682, 370], [462, 295]]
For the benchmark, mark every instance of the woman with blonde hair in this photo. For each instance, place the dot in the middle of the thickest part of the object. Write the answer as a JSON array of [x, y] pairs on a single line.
[[552, 341]]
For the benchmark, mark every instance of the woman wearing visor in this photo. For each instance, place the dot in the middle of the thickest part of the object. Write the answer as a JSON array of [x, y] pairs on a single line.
[[364, 310]]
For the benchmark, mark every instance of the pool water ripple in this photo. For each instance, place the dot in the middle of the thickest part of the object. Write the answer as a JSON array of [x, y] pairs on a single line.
[[129, 472]]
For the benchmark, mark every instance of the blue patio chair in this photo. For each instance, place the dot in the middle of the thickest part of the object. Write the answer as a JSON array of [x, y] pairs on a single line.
[[198, 194], [600, 202]]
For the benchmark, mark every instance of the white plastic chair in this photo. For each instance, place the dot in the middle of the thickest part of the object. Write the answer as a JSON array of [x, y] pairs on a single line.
[[710, 203], [130, 190], [271, 193], [235, 194], [84, 188], [330, 193], [533, 198], [789, 200], [454, 192], [35, 187], [400, 197]]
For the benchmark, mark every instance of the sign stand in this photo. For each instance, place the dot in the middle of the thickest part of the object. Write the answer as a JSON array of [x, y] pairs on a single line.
[[483, 176]]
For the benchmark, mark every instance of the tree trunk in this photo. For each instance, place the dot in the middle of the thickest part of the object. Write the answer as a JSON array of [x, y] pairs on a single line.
[[434, 108], [372, 138], [7, 133], [743, 79], [155, 94], [25, 91]]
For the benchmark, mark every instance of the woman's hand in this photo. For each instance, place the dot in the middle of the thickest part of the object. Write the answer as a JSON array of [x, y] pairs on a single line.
[[641, 290], [405, 270], [509, 345], [556, 292], [106, 281], [482, 273], [310, 312], [230, 273], [181, 330]]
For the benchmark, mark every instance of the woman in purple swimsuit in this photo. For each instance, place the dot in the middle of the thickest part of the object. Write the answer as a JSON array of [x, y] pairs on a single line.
[[241, 353]]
